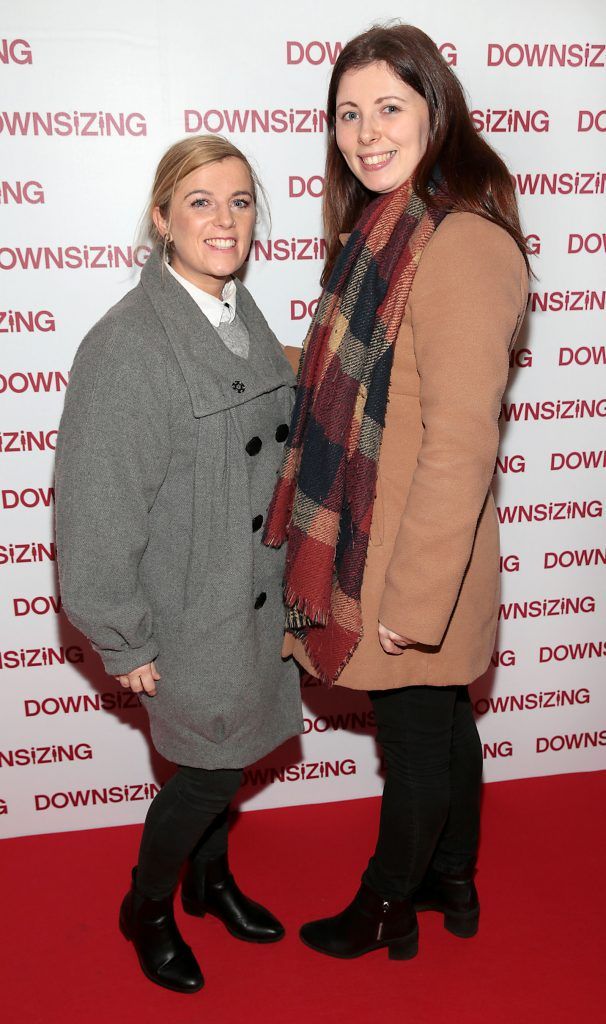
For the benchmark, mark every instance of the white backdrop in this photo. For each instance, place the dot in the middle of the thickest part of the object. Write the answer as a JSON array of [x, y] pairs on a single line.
[[90, 100]]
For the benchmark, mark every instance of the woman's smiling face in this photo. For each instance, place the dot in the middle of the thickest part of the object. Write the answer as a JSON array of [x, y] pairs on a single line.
[[382, 126], [211, 222]]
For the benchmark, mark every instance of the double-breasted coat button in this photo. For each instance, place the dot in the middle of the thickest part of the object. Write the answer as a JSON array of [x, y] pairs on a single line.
[[254, 446], [257, 523], [261, 599], [282, 432]]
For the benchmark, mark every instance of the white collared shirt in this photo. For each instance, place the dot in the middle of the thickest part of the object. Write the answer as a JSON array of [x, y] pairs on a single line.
[[218, 311]]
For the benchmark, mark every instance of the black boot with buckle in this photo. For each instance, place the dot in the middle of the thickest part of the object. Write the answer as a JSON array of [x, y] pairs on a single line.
[[369, 922], [453, 895], [214, 891], [165, 957]]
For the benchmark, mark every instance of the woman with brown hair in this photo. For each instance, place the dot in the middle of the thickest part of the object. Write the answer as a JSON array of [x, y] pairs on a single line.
[[392, 571], [175, 418]]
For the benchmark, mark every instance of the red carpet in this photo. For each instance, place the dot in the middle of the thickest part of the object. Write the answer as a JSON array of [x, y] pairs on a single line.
[[539, 956]]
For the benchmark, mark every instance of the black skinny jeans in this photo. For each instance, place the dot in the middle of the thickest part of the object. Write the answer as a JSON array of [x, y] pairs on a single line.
[[430, 811], [187, 818]]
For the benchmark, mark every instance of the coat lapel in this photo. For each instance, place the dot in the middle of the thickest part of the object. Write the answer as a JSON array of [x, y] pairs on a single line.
[[216, 378]]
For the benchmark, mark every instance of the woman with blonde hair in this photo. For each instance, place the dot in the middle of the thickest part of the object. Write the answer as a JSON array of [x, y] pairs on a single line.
[[175, 418]]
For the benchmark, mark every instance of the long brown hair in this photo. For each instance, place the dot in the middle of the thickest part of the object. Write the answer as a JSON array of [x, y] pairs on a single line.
[[476, 178]]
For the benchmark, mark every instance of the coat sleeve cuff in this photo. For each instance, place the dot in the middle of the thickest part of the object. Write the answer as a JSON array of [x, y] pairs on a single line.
[[120, 663], [394, 614]]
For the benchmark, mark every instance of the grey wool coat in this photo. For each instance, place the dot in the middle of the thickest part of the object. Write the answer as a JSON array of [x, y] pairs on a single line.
[[167, 456]]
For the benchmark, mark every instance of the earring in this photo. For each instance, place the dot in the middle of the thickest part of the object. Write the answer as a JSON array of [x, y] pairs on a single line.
[[165, 249]]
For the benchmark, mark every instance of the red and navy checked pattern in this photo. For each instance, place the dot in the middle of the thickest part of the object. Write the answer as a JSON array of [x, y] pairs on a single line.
[[325, 494]]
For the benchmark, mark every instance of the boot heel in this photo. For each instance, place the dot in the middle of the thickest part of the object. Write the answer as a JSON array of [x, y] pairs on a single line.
[[192, 907], [404, 949], [464, 926], [124, 927]]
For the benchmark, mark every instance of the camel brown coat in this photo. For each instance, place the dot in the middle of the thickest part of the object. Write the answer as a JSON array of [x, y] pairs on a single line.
[[432, 569]]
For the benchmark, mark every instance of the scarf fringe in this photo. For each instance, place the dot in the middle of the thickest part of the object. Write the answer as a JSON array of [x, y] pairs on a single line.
[[315, 615], [321, 674], [275, 539]]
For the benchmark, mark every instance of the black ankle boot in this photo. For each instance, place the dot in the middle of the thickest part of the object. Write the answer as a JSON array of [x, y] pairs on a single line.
[[369, 922], [453, 895], [164, 956], [215, 892]]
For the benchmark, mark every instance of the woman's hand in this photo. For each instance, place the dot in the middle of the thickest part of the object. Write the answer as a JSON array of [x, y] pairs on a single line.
[[393, 643], [143, 678]]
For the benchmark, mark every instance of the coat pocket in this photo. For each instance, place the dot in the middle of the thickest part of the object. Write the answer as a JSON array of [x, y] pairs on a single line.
[[205, 675]]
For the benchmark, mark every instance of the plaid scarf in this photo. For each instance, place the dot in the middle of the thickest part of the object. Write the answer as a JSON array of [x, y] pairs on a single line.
[[324, 497]]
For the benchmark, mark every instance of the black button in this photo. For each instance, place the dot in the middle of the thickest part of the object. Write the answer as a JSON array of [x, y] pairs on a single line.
[[257, 523], [254, 446], [282, 432], [262, 598]]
